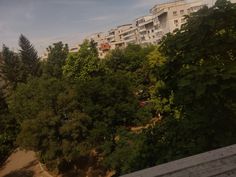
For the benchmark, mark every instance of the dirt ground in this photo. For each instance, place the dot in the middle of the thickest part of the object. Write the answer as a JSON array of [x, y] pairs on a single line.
[[22, 164]]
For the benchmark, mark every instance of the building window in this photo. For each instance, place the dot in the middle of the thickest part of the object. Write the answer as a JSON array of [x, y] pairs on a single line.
[[176, 22], [174, 13], [181, 12]]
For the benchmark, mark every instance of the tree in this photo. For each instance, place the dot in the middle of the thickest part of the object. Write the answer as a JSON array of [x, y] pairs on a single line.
[[10, 76], [110, 102], [193, 89], [29, 58], [51, 121], [58, 141], [34, 96], [87, 119], [10, 71], [201, 72], [57, 55], [132, 61], [83, 64], [8, 129], [197, 78]]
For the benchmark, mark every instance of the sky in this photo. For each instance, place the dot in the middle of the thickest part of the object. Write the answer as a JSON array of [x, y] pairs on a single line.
[[45, 22]]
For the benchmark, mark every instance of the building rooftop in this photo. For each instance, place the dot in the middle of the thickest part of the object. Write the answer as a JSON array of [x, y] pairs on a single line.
[[217, 163]]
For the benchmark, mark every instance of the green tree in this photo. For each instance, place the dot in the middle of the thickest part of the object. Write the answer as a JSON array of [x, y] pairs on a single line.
[[51, 121], [10, 71], [201, 72], [8, 129], [29, 58], [110, 102], [57, 55], [36, 95], [132, 61], [197, 81], [83, 64], [59, 142], [10, 74], [192, 89]]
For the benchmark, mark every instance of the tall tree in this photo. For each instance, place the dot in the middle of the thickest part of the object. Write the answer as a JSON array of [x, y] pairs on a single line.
[[8, 129], [201, 71], [29, 58], [83, 64], [198, 82], [57, 55], [10, 71]]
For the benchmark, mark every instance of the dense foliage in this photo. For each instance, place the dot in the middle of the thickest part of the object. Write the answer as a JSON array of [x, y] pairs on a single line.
[[138, 107]]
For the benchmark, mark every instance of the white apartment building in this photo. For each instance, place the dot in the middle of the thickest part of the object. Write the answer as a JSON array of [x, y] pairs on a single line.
[[147, 28], [128, 36], [171, 15], [97, 38], [101, 43], [163, 18], [115, 37]]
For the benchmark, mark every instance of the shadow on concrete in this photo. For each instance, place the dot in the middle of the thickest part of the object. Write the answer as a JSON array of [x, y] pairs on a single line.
[[23, 172], [20, 173]]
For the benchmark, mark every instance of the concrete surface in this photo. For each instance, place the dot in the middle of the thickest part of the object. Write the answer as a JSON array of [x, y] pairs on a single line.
[[216, 163]]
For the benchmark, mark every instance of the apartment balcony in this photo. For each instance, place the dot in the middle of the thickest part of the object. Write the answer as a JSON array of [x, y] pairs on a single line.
[[143, 30], [158, 31], [104, 47], [129, 35], [118, 42], [74, 50], [159, 9], [145, 23], [110, 38], [130, 30], [128, 40], [161, 12]]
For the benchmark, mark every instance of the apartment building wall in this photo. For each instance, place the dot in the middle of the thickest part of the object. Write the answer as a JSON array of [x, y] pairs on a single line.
[[145, 26], [97, 38], [101, 41], [129, 36], [149, 29], [171, 15], [117, 36]]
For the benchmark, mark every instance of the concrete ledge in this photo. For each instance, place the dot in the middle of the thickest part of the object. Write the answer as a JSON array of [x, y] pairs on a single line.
[[212, 163]]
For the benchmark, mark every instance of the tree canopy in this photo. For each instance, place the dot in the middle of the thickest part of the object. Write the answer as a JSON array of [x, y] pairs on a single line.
[[153, 104]]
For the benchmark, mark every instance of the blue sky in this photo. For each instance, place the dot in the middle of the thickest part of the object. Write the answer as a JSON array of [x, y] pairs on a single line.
[[48, 21]]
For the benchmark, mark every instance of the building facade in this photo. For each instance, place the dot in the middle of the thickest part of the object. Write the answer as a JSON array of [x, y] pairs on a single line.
[[171, 16], [149, 29]]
